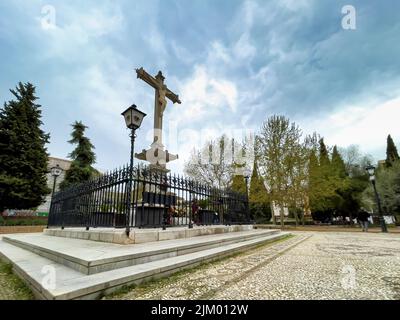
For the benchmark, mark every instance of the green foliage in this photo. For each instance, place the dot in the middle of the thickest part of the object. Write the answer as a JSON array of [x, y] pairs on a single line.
[[239, 184], [281, 158], [203, 203], [257, 191], [338, 166], [1, 221], [23, 156], [260, 212], [82, 156], [388, 187], [323, 154], [328, 180], [23, 222], [260, 207], [391, 152], [318, 188]]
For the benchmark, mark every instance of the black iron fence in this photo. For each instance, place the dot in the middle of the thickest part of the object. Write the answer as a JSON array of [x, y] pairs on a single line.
[[156, 199]]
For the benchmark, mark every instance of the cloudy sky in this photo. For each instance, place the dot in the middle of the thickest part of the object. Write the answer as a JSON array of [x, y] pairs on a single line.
[[233, 64]]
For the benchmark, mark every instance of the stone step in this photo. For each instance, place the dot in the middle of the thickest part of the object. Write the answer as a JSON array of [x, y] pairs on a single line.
[[68, 283], [119, 236], [90, 257]]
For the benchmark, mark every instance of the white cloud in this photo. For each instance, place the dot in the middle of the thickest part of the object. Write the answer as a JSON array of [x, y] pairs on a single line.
[[243, 49], [182, 53], [219, 53], [364, 126], [157, 43], [68, 37], [294, 5], [203, 94]]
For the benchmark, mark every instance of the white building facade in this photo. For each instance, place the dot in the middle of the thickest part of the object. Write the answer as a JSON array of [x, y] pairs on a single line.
[[44, 208]]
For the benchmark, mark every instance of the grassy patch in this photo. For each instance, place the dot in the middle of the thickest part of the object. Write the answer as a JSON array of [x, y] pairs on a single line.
[[12, 287], [161, 282]]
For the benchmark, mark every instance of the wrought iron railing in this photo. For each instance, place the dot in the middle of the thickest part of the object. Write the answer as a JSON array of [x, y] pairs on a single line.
[[156, 199]]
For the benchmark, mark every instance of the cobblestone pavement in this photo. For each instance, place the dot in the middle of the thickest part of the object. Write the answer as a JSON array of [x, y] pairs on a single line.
[[308, 266], [206, 280]]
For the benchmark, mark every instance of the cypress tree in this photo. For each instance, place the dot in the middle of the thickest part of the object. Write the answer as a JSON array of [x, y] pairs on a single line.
[[83, 157], [338, 165], [239, 184], [323, 153], [257, 192], [23, 155], [314, 182], [391, 152], [260, 207]]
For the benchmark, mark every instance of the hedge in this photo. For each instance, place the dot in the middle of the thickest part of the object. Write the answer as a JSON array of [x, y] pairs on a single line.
[[23, 221]]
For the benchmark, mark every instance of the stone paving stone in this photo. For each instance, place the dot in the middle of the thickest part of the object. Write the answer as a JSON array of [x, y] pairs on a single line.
[[325, 265]]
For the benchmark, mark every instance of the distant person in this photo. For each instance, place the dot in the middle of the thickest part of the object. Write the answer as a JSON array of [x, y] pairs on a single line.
[[195, 211], [215, 218], [171, 214], [363, 219]]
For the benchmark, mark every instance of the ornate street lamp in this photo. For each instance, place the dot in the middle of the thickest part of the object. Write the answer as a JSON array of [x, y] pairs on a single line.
[[55, 172], [133, 120], [371, 172]]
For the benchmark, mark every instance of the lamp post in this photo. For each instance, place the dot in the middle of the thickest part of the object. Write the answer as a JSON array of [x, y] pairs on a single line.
[[246, 178], [55, 172], [371, 172], [133, 120]]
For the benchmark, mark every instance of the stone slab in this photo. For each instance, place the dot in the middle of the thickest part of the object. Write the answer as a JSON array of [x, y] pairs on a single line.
[[91, 257], [119, 236], [71, 284]]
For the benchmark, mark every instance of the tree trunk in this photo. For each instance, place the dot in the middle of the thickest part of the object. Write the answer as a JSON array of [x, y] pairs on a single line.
[[296, 217], [282, 216]]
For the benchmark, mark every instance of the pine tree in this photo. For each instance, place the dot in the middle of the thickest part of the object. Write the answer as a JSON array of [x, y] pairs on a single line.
[[323, 153], [83, 157], [337, 164], [260, 207], [391, 152], [23, 156], [257, 192]]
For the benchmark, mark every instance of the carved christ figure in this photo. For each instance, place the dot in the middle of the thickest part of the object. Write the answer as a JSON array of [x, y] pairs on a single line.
[[161, 93]]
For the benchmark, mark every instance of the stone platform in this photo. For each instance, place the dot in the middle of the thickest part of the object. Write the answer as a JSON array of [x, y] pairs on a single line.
[[142, 235], [87, 269]]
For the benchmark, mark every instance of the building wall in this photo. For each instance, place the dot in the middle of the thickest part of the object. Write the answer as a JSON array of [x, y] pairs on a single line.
[[64, 165]]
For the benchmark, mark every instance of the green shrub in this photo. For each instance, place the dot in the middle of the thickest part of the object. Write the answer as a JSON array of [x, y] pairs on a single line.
[[24, 222], [203, 203], [1, 221]]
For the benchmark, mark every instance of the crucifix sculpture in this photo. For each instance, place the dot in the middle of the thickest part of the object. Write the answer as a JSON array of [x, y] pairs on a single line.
[[156, 154]]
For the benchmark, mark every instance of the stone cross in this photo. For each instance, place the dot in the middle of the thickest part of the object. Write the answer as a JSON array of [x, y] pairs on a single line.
[[156, 154]]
